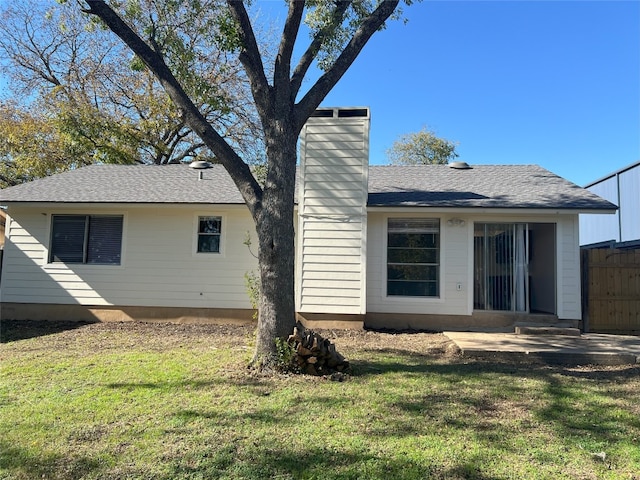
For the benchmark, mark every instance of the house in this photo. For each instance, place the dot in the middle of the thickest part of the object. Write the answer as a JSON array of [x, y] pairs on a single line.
[[622, 188], [455, 247]]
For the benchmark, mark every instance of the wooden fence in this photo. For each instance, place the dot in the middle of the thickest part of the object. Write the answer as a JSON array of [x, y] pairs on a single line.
[[611, 290]]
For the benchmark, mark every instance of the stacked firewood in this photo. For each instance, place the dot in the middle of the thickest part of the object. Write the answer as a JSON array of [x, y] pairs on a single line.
[[315, 355]]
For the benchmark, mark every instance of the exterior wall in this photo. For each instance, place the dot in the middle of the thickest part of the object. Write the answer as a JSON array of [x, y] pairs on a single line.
[[630, 204], [568, 276], [332, 214], [623, 189], [161, 276], [456, 267], [159, 265], [454, 309], [596, 228]]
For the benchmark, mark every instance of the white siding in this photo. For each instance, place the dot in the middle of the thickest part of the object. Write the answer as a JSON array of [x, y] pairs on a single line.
[[455, 268], [569, 280], [456, 265], [159, 264], [332, 223]]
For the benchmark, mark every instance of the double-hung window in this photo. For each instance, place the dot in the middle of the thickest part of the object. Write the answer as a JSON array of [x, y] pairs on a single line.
[[413, 257], [92, 239], [209, 229]]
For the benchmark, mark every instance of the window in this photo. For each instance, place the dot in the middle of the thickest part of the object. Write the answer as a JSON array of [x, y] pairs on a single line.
[[93, 239], [209, 234], [413, 257]]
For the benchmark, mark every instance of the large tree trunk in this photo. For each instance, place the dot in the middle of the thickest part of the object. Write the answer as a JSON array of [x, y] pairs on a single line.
[[282, 119], [276, 252]]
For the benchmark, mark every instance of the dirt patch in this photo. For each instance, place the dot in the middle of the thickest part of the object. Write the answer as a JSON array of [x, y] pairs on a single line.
[[30, 336]]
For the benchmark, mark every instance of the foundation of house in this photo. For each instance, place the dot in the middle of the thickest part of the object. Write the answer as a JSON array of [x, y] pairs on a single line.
[[85, 313], [478, 321], [482, 321]]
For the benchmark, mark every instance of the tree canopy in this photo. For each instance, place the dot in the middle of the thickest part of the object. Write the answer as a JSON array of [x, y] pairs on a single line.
[[32, 146], [98, 94], [421, 148]]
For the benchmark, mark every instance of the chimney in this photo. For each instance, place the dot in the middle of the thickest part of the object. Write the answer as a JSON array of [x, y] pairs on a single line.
[[332, 213]]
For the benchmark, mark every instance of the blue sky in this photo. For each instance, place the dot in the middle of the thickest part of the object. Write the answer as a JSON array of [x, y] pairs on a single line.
[[553, 83]]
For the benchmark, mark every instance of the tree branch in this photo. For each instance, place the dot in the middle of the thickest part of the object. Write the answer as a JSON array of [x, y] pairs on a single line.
[[316, 44], [239, 170], [251, 60], [285, 52], [326, 82]]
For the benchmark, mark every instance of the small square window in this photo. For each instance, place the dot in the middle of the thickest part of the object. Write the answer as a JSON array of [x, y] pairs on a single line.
[[209, 229]]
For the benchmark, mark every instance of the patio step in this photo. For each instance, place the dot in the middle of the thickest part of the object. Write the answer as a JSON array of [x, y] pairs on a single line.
[[524, 330]]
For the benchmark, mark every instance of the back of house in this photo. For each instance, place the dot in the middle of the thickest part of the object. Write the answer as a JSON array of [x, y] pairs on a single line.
[[457, 247]]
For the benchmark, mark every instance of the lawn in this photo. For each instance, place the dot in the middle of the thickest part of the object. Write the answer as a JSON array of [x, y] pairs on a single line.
[[134, 401]]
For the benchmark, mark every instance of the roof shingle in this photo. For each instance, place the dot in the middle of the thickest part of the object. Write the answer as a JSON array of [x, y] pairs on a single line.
[[486, 186]]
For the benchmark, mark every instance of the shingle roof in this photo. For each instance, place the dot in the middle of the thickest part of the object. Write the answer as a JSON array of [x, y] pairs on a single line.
[[487, 186], [129, 184]]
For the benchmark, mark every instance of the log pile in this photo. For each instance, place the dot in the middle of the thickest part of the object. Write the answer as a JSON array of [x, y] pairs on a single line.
[[315, 355]]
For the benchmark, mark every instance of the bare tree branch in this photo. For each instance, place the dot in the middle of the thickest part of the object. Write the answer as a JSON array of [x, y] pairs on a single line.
[[251, 59], [285, 52], [326, 82], [238, 169]]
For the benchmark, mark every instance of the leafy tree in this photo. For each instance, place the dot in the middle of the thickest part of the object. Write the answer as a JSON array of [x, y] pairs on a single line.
[[421, 148], [32, 146], [157, 32], [106, 100]]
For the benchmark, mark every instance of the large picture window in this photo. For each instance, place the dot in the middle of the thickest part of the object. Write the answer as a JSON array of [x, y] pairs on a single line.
[[209, 229], [413, 257], [92, 239]]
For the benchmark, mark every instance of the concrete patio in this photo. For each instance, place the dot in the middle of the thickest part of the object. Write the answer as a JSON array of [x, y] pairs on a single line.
[[591, 348]]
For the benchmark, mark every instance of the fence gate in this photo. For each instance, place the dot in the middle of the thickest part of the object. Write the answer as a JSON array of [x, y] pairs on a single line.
[[611, 290]]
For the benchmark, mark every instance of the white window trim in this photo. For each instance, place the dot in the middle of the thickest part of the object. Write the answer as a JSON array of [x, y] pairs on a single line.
[[194, 235], [414, 300], [58, 266]]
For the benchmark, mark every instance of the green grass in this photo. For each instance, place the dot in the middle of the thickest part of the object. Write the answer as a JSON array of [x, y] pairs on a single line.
[[165, 402]]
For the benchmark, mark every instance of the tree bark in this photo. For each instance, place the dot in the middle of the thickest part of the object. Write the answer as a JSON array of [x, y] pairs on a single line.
[[274, 225]]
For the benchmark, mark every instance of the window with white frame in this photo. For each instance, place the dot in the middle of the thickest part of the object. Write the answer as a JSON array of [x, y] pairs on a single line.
[[209, 229], [90, 239], [413, 257]]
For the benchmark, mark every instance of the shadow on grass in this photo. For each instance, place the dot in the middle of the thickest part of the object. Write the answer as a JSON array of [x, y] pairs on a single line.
[[258, 385], [313, 461], [287, 415], [14, 330], [29, 464], [589, 408], [419, 362]]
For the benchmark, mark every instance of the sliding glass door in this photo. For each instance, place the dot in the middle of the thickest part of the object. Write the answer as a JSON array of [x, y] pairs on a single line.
[[514, 267], [501, 266]]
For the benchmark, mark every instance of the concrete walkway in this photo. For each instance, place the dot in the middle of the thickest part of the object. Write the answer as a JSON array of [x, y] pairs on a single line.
[[590, 348]]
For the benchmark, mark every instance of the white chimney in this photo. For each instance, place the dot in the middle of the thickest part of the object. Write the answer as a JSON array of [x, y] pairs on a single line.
[[332, 213]]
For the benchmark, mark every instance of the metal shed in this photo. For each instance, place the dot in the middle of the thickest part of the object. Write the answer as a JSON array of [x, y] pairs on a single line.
[[623, 189]]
